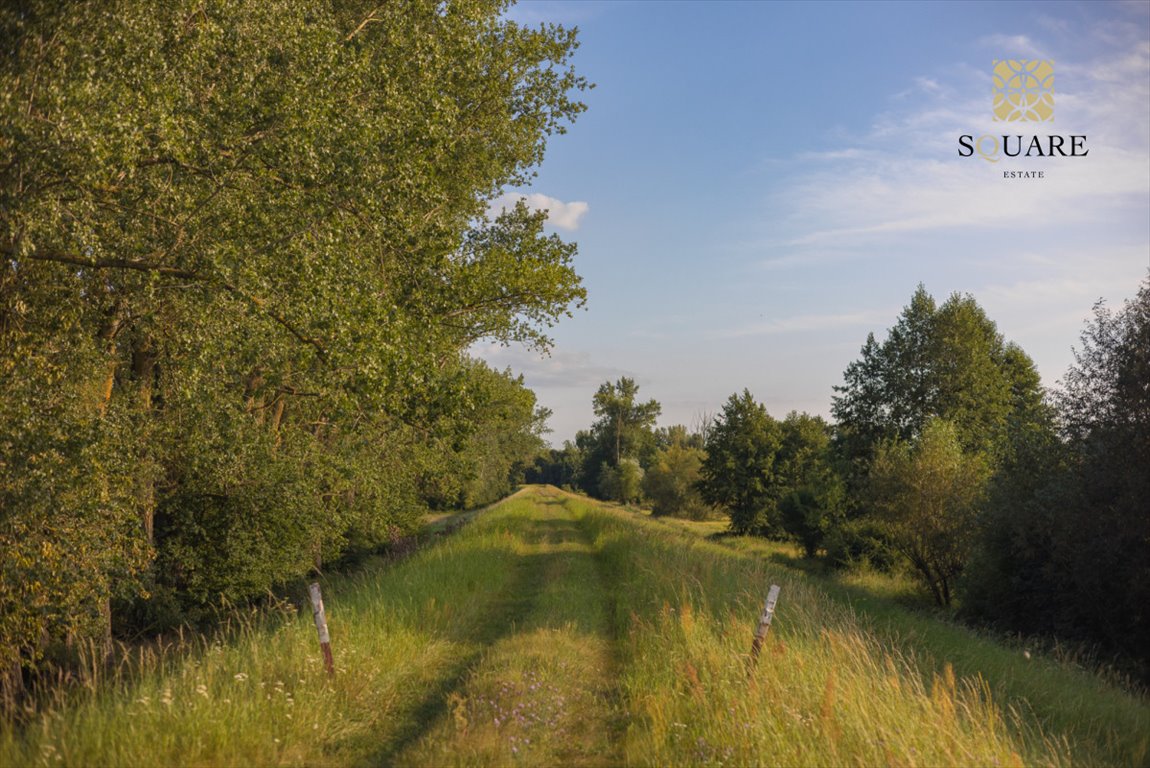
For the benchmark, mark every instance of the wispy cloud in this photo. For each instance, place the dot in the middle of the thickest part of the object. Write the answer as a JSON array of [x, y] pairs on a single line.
[[559, 214], [1019, 46], [801, 323], [904, 175], [895, 199], [561, 369]]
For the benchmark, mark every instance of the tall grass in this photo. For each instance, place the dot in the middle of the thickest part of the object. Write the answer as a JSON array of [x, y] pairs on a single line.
[[262, 697], [836, 684], [555, 630], [544, 692]]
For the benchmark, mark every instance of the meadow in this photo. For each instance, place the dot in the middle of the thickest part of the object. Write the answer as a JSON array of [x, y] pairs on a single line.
[[552, 629]]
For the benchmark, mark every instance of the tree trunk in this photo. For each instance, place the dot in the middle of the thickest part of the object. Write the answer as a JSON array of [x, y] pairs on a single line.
[[144, 371], [253, 397], [618, 442], [106, 337], [277, 417]]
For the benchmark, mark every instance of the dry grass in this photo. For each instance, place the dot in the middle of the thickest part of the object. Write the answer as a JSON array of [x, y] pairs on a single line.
[[554, 630]]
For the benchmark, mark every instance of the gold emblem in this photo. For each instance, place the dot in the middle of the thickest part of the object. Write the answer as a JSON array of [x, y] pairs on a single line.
[[1024, 90]]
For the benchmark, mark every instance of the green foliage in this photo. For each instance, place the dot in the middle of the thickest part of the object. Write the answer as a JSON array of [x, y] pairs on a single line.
[[245, 246], [861, 543], [622, 431], [622, 482], [70, 530], [739, 472], [1066, 538], [623, 420], [671, 483], [678, 434], [927, 495], [814, 496], [558, 467], [946, 362], [809, 514], [509, 433]]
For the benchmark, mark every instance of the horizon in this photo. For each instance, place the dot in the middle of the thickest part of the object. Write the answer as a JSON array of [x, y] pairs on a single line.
[[756, 187]]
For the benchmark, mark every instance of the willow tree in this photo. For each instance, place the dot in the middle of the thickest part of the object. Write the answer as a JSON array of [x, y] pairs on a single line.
[[245, 245], [927, 494]]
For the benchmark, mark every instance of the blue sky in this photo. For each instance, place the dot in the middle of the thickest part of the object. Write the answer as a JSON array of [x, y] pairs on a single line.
[[756, 186]]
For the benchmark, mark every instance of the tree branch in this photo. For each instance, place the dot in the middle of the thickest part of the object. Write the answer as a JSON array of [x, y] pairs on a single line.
[[367, 20], [60, 257], [263, 306]]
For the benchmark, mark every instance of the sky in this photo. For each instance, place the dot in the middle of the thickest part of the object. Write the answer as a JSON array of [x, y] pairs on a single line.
[[756, 186]]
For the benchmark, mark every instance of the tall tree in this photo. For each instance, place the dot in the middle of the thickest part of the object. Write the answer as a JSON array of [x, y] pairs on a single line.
[[622, 431], [622, 418], [739, 472], [812, 493], [1105, 408], [946, 362], [245, 246], [1066, 540]]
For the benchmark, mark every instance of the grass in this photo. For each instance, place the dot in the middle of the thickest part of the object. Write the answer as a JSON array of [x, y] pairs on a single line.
[[837, 683], [555, 630]]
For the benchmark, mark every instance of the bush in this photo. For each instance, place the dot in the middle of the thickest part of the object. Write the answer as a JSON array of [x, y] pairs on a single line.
[[671, 483], [623, 483], [858, 542]]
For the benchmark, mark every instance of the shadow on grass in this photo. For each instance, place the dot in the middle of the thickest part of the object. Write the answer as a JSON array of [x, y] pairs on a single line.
[[516, 609]]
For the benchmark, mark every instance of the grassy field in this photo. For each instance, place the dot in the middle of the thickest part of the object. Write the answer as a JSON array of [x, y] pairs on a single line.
[[552, 630]]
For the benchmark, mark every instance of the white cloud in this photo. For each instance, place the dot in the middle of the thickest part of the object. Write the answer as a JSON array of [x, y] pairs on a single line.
[[559, 214], [560, 369], [799, 323], [904, 174], [1014, 45], [894, 203]]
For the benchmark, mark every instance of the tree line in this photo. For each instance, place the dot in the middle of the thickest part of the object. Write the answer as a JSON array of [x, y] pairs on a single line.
[[1018, 507], [244, 247]]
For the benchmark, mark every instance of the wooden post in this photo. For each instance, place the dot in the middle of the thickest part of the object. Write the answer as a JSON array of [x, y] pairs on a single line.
[[764, 622], [321, 627]]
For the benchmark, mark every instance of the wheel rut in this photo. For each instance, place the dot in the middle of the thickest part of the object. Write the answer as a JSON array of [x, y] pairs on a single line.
[[542, 690]]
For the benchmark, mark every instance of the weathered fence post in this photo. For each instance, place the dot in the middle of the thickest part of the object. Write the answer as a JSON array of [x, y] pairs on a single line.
[[321, 627], [764, 622]]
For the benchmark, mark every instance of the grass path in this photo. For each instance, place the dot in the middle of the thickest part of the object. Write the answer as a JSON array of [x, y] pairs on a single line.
[[542, 691], [554, 630]]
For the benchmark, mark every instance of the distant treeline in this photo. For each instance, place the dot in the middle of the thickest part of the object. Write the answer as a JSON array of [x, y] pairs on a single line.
[[1023, 508], [244, 246]]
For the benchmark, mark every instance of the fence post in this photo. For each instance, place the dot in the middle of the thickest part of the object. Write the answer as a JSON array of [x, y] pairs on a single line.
[[764, 622], [321, 627]]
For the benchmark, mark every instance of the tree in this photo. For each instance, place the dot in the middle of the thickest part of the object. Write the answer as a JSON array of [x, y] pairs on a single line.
[[1104, 404], [810, 513], [621, 418], [505, 431], [622, 482], [927, 494], [739, 471], [672, 481], [812, 493], [1066, 540], [234, 310], [558, 467], [945, 362], [623, 430]]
